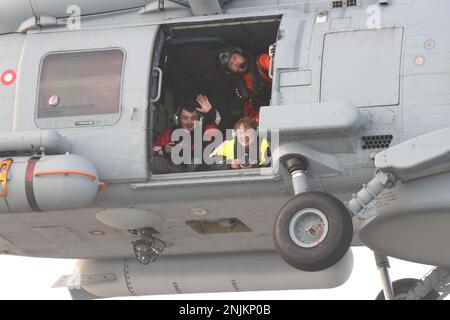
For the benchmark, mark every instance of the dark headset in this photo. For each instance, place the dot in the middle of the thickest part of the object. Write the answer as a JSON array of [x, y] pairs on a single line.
[[176, 116]]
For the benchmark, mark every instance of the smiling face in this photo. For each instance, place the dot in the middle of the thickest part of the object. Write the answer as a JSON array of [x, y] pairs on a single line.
[[187, 119], [237, 63], [245, 136]]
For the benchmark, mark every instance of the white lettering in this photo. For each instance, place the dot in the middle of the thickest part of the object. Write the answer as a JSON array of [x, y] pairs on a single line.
[[216, 137], [374, 19], [74, 20]]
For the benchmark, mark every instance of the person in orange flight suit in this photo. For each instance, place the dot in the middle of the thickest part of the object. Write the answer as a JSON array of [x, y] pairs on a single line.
[[253, 84]]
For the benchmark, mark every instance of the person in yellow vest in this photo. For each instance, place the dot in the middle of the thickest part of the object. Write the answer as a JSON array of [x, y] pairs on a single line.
[[245, 150]]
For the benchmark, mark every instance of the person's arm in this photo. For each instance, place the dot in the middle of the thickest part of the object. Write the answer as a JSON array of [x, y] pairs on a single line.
[[220, 153], [267, 154], [210, 114], [162, 143], [268, 160], [264, 61]]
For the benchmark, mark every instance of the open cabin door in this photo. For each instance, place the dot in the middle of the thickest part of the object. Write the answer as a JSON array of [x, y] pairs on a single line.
[[92, 87], [292, 75]]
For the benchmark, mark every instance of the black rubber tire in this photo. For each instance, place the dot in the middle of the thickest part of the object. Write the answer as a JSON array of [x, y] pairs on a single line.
[[333, 247], [401, 288]]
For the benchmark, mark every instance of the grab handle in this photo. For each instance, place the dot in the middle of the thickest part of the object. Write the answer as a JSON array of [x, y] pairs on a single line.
[[66, 172], [158, 95], [4, 168]]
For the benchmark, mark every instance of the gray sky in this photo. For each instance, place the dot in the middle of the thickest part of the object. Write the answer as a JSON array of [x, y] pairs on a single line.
[[32, 278]]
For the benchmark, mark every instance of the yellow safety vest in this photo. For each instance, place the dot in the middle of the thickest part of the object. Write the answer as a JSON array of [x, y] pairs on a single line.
[[229, 147]]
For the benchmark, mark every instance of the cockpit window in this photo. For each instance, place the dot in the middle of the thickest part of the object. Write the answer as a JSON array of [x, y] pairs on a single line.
[[74, 84]]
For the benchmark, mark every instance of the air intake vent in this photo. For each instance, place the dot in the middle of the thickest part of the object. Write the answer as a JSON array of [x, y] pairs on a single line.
[[352, 3], [376, 142], [337, 4]]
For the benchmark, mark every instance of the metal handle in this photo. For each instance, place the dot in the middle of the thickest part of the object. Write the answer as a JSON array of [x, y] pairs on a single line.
[[66, 172], [271, 55], [4, 168], [271, 68], [93, 177], [158, 96]]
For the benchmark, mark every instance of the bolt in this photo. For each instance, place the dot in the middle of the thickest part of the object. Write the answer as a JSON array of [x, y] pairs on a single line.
[[312, 231]]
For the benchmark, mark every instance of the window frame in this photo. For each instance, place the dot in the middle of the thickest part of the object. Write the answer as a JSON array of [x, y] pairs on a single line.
[[249, 173], [80, 121]]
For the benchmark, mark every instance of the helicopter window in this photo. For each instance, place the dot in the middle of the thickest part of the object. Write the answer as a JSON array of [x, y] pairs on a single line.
[[191, 66], [80, 84]]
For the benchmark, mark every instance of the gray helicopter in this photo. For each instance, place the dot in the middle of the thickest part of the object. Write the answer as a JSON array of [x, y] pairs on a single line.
[[357, 122]]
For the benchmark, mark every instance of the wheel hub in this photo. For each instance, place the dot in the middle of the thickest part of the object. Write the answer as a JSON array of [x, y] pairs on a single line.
[[308, 228]]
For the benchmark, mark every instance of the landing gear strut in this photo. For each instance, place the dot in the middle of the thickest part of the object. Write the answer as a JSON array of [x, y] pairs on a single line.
[[148, 248], [313, 230], [383, 267], [401, 290], [429, 288]]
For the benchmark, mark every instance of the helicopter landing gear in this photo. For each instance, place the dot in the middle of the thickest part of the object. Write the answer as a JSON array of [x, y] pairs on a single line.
[[388, 287], [401, 288], [428, 288], [313, 230]]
